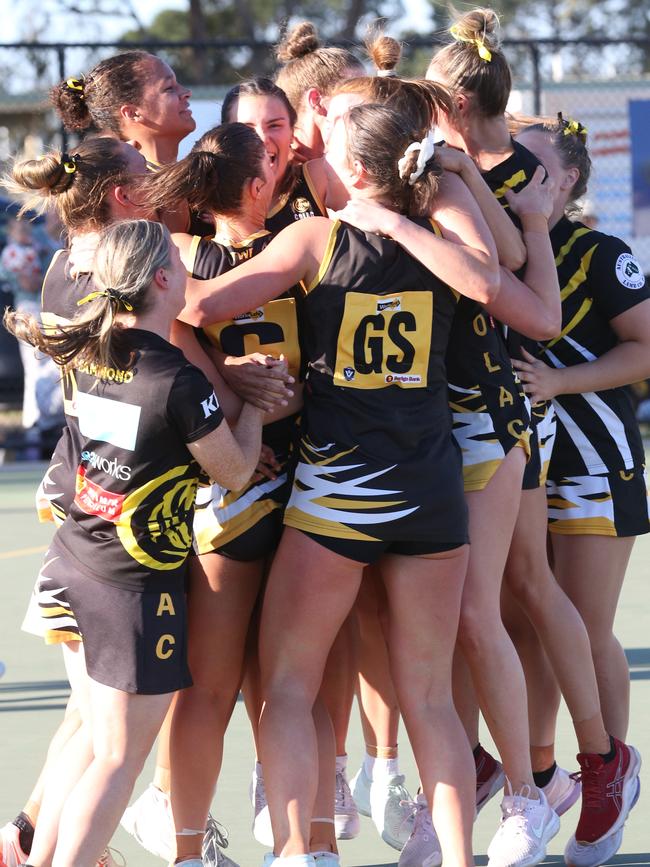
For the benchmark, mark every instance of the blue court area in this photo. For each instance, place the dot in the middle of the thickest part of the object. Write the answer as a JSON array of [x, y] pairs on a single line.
[[33, 693]]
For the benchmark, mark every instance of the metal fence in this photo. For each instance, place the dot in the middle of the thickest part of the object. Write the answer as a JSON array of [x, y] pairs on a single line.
[[603, 83]]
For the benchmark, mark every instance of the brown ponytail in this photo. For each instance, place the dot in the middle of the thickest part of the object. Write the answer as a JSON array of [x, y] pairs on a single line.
[[95, 99], [127, 258], [211, 177], [76, 185]]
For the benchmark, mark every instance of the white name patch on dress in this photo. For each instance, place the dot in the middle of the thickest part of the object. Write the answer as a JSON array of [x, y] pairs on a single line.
[[109, 421]]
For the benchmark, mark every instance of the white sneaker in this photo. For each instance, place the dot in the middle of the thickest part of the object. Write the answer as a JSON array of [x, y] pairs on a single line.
[[149, 820], [525, 829], [422, 848], [346, 815], [271, 860], [326, 859], [360, 786], [214, 840], [593, 854], [392, 818], [262, 830], [562, 791]]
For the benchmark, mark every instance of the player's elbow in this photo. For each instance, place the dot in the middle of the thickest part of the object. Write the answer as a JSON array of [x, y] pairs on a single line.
[[488, 288]]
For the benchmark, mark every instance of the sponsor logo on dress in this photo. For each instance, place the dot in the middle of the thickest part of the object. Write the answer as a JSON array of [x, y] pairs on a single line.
[[302, 208], [402, 377], [389, 304], [109, 466], [109, 421], [348, 373], [629, 272], [95, 500], [210, 406], [251, 316]]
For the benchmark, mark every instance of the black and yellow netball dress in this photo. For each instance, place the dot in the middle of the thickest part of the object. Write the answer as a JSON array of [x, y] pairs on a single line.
[[114, 574], [513, 174], [597, 472], [246, 524], [378, 467], [301, 202], [59, 296]]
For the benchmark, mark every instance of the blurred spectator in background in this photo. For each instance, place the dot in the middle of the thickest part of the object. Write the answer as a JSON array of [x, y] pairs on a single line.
[[42, 417]]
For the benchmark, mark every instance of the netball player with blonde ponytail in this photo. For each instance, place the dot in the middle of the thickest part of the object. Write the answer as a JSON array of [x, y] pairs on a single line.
[[147, 422]]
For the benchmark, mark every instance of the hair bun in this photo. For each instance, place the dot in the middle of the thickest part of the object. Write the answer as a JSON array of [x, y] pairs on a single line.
[[385, 52], [481, 23], [302, 40]]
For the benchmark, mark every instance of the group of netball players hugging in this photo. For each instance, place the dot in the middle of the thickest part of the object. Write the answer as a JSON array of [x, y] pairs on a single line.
[[377, 442]]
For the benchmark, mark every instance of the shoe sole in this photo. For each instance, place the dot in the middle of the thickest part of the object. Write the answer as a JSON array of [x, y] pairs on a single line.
[[617, 844], [392, 841], [347, 829]]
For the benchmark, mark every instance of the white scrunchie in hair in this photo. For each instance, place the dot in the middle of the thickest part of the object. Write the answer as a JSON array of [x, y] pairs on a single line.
[[386, 73], [426, 148]]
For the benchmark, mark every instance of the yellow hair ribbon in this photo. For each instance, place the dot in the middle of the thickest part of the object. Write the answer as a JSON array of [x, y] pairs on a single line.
[[75, 84], [111, 294], [483, 52], [574, 127], [69, 167]]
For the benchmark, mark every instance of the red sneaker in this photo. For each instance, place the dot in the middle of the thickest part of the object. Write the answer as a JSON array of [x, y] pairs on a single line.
[[11, 853], [489, 778], [608, 791]]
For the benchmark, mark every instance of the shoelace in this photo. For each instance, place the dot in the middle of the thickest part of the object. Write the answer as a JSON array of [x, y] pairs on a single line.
[[419, 814], [593, 795], [216, 833], [343, 797], [515, 812], [260, 794]]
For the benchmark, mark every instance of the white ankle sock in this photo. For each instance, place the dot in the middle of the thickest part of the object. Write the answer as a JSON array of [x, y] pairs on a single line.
[[294, 861], [258, 771], [341, 762], [375, 768]]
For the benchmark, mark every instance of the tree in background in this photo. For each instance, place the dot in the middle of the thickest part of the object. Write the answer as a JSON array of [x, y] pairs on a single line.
[[256, 21]]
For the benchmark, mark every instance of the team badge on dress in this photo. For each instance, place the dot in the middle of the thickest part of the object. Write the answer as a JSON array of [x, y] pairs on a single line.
[[629, 272]]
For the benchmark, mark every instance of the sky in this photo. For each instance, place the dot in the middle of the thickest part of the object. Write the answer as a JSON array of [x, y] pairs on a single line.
[[13, 14]]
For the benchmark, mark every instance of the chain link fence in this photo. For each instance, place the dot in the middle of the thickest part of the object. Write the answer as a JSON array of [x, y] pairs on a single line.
[[603, 83]]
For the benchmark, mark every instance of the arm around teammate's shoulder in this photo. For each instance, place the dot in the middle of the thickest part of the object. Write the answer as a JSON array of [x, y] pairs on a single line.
[[293, 256]]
